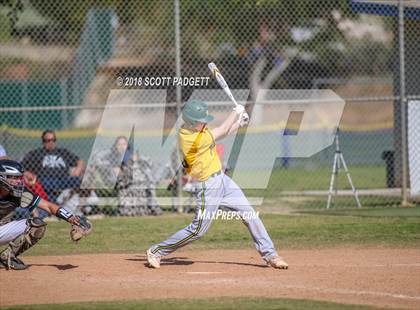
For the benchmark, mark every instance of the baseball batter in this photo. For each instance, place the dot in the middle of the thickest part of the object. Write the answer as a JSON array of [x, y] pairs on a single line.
[[20, 235], [200, 159]]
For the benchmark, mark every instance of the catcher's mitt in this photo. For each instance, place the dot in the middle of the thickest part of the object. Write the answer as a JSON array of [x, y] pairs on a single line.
[[82, 229]]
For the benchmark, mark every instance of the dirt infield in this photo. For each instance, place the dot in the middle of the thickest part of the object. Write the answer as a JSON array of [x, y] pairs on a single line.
[[379, 277]]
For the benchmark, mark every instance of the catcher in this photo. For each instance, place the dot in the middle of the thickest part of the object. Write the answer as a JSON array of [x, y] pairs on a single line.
[[20, 235]]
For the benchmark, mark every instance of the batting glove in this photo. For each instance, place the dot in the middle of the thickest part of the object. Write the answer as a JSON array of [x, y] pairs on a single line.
[[244, 120], [239, 109]]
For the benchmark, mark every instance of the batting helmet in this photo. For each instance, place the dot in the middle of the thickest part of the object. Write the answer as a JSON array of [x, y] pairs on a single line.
[[196, 111], [11, 176]]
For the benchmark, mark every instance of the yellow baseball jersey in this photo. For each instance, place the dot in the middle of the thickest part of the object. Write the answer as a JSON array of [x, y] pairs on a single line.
[[198, 151]]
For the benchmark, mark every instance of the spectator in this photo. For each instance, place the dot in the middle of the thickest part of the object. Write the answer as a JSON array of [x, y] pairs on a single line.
[[132, 176], [56, 168], [136, 187], [32, 183], [107, 164], [121, 153]]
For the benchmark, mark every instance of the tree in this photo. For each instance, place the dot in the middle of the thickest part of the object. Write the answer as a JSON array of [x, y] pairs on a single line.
[[15, 7]]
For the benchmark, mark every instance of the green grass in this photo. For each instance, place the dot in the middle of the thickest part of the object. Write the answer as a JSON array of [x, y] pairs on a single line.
[[387, 227], [219, 303], [300, 203], [296, 179], [377, 227], [368, 212], [301, 179]]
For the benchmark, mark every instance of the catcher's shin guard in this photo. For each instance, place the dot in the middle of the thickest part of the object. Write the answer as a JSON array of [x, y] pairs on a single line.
[[34, 232]]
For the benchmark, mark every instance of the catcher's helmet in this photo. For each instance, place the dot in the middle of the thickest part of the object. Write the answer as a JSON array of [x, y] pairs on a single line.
[[11, 176], [196, 111]]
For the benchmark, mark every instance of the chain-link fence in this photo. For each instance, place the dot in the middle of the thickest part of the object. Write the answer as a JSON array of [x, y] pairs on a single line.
[[62, 61]]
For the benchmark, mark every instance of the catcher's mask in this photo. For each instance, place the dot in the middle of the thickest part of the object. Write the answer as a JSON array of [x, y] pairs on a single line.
[[196, 112], [11, 176]]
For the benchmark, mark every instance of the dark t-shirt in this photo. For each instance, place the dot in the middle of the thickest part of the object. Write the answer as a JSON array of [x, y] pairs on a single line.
[[55, 163], [9, 204]]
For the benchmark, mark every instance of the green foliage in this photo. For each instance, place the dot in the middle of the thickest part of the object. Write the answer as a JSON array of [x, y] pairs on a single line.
[[72, 16], [376, 57], [14, 8], [4, 28], [241, 21], [209, 27]]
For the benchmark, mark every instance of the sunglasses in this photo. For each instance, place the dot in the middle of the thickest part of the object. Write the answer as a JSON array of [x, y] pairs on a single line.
[[49, 140]]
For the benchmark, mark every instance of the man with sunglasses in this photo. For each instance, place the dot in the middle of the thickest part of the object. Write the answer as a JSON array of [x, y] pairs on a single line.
[[57, 168]]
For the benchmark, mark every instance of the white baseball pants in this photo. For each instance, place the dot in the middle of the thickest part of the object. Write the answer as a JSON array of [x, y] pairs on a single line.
[[215, 191], [12, 230]]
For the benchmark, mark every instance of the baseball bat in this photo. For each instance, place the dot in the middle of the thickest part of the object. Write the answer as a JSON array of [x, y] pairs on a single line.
[[219, 78]]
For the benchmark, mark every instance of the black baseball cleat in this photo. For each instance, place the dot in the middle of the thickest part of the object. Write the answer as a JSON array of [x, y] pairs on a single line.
[[13, 263]]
